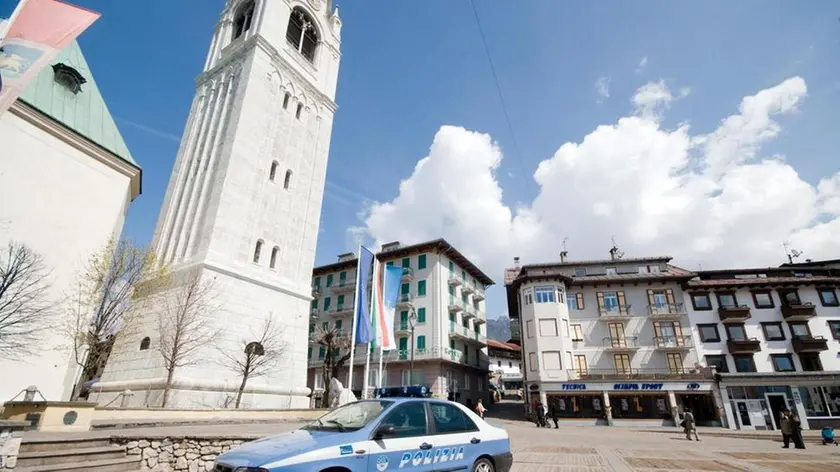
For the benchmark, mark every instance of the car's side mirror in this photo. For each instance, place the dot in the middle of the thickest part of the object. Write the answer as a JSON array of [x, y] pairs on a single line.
[[384, 431]]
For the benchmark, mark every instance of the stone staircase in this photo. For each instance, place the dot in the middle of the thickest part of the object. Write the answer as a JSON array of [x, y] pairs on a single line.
[[74, 455]]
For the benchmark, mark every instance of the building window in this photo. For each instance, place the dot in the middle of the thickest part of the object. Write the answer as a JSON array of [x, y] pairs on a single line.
[[510, 365], [286, 99], [421, 342], [421, 315], [301, 34], [544, 294], [580, 364], [575, 301], [299, 110], [675, 364], [789, 297], [566, 328], [810, 362], [610, 302], [577, 333], [340, 305], [144, 343], [287, 181], [68, 77], [529, 328], [701, 301], [421, 288], [274, 252], [242, 20], [736, 332], [727, 299], [257, 250], [532, 361], [835, 328], [763, 299], [718, 362], [548, 328], [800, 330], [580, 272], [321, 353], [611, 271], [744, 363], [327, 305], [773, 331], [828, 297], [622, 363], [782, 362], [709, 333], [273, 171], [330, 278]]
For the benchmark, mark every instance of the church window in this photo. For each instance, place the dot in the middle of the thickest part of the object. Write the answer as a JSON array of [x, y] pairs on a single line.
[[286, 99], [257, 250], [301, 34], [68, 77], [299, 110], [144, 344], [288, 180], [242, 20], [274, 252], [273, 172]]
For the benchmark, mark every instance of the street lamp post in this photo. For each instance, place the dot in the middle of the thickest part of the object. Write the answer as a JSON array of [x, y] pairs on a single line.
[[412, 321]]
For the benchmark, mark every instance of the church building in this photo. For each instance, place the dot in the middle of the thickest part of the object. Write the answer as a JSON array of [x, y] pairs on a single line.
[[243, 205]]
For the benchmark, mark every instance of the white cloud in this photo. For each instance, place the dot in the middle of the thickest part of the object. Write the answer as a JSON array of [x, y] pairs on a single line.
[[642, 65], [710, 199], [602, 89]]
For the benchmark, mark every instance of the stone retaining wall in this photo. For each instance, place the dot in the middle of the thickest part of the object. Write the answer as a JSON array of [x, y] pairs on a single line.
[[177, 454], [9, 446]]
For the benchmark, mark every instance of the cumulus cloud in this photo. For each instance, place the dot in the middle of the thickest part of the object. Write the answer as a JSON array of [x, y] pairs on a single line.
[[703, 198], [602, 89]]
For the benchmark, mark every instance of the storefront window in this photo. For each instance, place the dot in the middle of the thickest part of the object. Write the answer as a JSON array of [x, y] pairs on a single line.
[[813, 401], [832, 396], [639, 406], [578, 406]]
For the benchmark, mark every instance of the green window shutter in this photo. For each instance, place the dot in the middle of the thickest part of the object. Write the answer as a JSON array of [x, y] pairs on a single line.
[[315, 304], [421, 315], [317, 281], [451, 266], [338, 325], [390, 263], [421, 261], [451, 344], [341, 300], [311, 328], [404, 289], [321, 352], [404, 318], [406, 262], [309, 353], [327, 303], [478, 329], [342, 276], [403, 344], [421, 342], [452, 290], [421, 288], [329, 280], [463, 277], [452, 317]]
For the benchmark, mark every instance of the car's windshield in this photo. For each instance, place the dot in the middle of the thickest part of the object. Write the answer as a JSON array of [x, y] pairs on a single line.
[[350, 417]]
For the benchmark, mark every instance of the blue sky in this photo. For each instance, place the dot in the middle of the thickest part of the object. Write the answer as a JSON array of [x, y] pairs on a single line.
[[410, 67]]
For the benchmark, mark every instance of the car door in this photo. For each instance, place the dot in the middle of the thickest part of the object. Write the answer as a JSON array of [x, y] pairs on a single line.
[[407, 445], [456, 436]]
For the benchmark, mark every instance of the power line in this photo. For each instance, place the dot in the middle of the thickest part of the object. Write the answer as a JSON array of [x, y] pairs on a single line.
[[498, 89]]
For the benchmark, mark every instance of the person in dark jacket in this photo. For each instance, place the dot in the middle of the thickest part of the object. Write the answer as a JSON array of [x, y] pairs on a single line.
[[786, 426], [552, 413], [540, 415], [798, 440]]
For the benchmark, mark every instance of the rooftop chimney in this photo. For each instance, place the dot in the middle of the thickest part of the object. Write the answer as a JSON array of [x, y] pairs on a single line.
[[564, 256], [516, 262], [613, 253]]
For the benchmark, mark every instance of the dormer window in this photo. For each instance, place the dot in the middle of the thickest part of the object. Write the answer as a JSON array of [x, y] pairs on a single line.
[[301, 34], [68, 77], [242, 20]]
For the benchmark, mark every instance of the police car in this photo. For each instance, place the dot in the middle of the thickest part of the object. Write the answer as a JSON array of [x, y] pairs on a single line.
[[385, 434]]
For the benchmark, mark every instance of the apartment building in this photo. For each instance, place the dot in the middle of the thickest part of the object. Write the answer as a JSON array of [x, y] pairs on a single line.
[[609, 341], [442, 294], [772, 335], [505, 366]]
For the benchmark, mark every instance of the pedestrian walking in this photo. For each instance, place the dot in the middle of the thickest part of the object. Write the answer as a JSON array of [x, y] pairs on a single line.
[[540, 415], [689, 425], [786, 425], [798, 440], [545, 415], [552, 413], [479, 408]]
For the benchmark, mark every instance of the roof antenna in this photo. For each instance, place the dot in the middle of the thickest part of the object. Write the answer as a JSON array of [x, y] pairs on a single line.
[[615, 254], [791, 253]]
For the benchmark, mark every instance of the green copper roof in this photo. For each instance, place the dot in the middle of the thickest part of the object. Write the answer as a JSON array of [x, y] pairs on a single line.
[[84, 112]]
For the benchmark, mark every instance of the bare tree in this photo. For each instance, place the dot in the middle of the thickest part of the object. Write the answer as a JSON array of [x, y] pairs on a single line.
[[24, 304], [185, 324], [112, 284], [259, 356], [334, 342]]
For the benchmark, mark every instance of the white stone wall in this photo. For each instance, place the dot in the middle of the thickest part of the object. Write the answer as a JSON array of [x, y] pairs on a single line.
[[64, 204]]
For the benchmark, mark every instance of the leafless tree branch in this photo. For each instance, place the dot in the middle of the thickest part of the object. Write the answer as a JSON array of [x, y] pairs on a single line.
[[24, 305], [335, 342]]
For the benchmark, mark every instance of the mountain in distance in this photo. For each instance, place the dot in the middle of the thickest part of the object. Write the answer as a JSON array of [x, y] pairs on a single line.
[[499, 329]]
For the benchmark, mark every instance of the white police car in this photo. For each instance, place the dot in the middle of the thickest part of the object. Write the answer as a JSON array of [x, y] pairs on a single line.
[[386, 434]]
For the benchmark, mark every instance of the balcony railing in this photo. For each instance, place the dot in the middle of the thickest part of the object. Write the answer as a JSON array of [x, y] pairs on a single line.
[[620, 343], [666, 310], [316, 292], [340, 309], [314, 312], [454, 280], [468, 313], [480, 319], [799, 311], [734, 313], [478, 295], [809, 344], [405, 300], [407, 274], [344, 286], [455, 304], [467, 288], [743, 346], [683, 373], [673, 343], [615, 313]]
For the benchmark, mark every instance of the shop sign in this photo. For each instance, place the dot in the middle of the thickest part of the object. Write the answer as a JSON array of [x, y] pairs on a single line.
[[796, 398], [635, 386], [574, 386], [693, 386]]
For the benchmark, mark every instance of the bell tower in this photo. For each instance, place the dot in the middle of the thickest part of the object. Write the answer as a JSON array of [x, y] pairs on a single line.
[[244, 200]]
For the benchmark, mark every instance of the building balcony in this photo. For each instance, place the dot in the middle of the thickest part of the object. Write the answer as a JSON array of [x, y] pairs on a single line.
[[454, 355], [316, 292], [454, 280], [402, 328], [684, 373], [743, 346], [455, 304], [467, 289], [314, 313], [469, 313], [408, 274], [478, 295], [799, 312], [673, 343], [667, 311], [624, 344], [614, 314], [405, 301], [344, 286], [340, 310], [734, 314], [479, 319], [809, 344]]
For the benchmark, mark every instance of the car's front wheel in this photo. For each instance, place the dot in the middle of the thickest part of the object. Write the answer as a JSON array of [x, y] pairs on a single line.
[[483, 465]]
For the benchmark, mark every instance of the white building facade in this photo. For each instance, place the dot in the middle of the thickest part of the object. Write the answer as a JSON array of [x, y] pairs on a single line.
[[505, 367], [446, 293], [609, 341], [773, 335], [244, 202], [66, 182]]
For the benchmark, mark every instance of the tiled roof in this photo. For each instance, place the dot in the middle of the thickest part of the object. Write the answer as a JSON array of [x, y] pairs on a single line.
[[501, 345], [673, 272], [545, 270], [632, 260], [733, 282], [85, 112]]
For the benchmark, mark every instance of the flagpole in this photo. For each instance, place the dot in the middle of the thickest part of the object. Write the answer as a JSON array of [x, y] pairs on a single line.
[[355, 320], [374, 295]]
